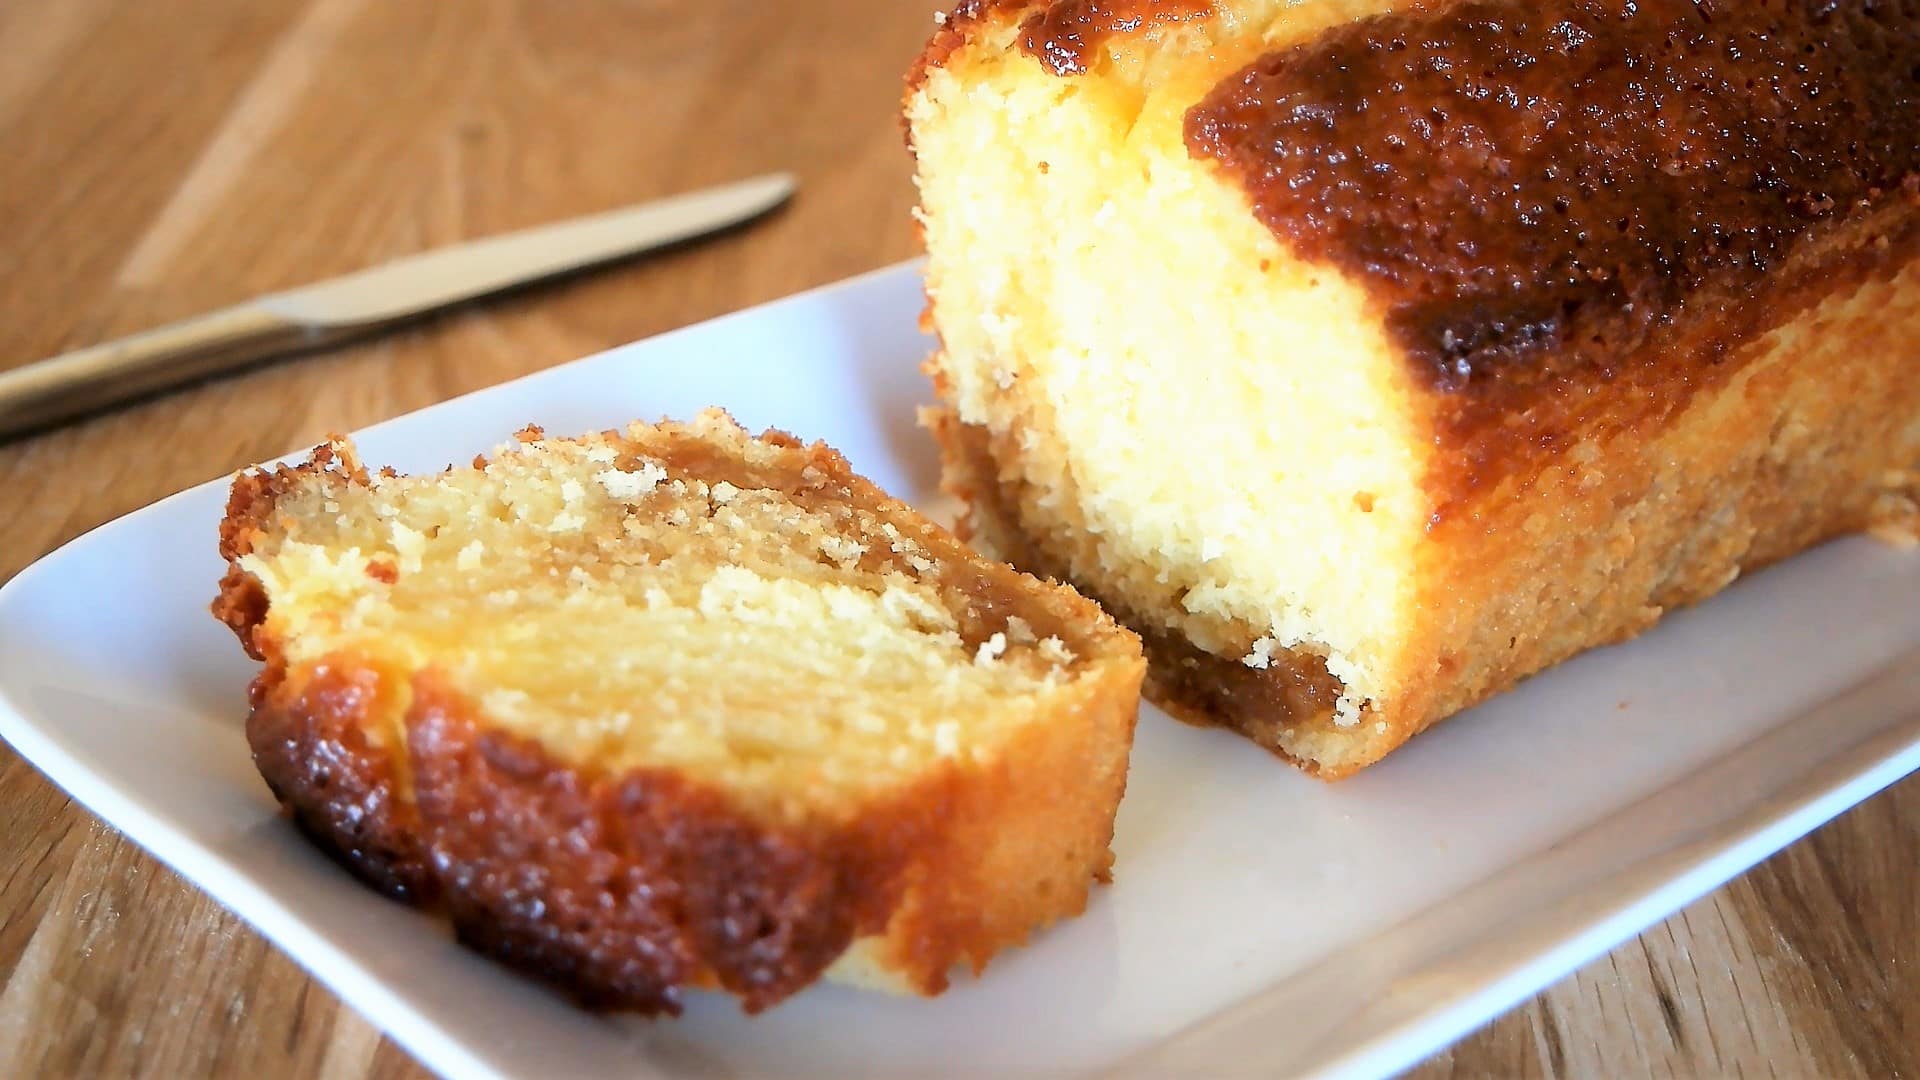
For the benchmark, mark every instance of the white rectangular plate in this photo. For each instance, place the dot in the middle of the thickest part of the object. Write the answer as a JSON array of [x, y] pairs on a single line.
[[1258, 918]]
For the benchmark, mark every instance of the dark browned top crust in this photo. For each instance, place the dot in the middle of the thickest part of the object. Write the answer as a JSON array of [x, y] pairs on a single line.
[[1063, 34], [952, 32], [1539, 186]]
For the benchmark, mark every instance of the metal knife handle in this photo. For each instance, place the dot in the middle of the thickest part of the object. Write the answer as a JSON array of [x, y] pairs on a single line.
[[85, 380]]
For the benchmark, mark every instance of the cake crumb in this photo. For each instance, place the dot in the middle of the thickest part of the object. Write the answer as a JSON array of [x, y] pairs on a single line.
[[628, 486], [468, 557], [904, 547], [1262, 655], [991, 649], [566, 521], [410, 546], [841, 549], [1055, 650], [572, 491], [1001, 329], [946, 738], [724, 492], [909, 608]]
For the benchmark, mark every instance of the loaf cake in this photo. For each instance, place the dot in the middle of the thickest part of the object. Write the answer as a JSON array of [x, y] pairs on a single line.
[[1367, 357], [676, 706]]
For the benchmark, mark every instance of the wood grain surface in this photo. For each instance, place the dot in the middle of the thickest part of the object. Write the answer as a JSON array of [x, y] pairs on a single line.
[[159, 159]]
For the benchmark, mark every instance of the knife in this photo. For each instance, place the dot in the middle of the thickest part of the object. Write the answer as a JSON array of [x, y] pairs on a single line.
[[49, 392]]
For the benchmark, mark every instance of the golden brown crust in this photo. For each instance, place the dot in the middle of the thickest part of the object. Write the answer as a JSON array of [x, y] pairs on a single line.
[[616, 890], [1798, 439], [1513, 428], [310, 741], [979, 835], [620, 888]]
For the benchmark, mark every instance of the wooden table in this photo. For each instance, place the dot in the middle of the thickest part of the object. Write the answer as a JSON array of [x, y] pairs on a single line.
[[159, 159]]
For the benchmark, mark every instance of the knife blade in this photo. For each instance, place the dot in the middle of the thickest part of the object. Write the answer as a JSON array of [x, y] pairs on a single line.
[[49, 392]]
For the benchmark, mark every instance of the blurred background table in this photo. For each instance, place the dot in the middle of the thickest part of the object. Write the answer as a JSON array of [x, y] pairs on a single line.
[[160, 159]]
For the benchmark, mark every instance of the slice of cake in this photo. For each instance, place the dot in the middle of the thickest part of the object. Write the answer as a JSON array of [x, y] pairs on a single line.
[[1367, 357], [677, 707]]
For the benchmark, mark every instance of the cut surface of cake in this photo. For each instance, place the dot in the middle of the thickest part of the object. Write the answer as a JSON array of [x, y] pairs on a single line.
[[677, 706], [1367, 357]]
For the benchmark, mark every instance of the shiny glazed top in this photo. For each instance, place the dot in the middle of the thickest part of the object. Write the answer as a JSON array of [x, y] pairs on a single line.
[[1563, 178]]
